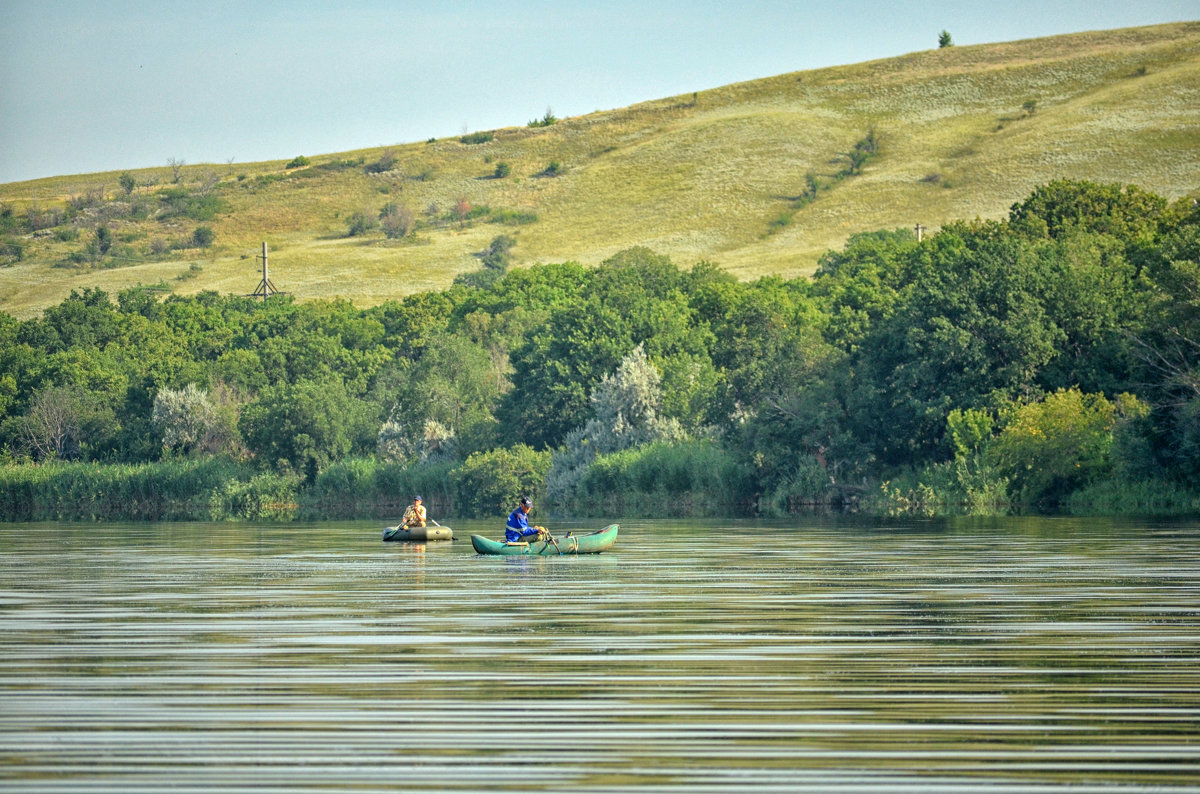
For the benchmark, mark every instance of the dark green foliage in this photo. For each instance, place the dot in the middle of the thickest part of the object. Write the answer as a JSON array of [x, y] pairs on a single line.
[[302, 427], [944, 40], [899, 377], [497, 256], [502, 170], [298, 161], [665, 479], [179, 202], [361, 223], [547, 120], [194, 490], [1126, 212], [490, 483], [203, 237], [478, 137], [385, 163], [103, 239], [634, 297]]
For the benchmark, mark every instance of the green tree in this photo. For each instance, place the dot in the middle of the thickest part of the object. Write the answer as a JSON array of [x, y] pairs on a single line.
[[63, 422], [944, 40], [203, 237], [634, 297], [628, 413], [302, 427], [489, 483], [1065, 206], [969, 331], [360, 223], [193, 421], [455, 383], [127, 182], [1051, 447]]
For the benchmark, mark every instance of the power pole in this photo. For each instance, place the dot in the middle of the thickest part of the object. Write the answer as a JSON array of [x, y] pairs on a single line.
[[919, 229], [265, 287]]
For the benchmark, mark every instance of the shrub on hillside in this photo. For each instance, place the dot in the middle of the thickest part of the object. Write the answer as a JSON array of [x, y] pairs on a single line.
[[360, 223], [478, 137], [385, 163], [203, 237], [545, 121]]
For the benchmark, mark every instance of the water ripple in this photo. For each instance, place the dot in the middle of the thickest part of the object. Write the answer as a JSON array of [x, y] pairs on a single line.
[[1018, 655]]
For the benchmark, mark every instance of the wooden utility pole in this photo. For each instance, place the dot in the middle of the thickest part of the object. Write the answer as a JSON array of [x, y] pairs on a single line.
[[265, 287]]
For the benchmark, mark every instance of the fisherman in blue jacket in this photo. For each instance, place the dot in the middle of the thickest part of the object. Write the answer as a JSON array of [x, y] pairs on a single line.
[[518, 528]]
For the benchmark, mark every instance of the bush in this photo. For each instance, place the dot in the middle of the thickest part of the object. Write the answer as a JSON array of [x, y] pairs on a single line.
[[203, 237], [502, 170], [395, 485], [547, 120], [690, 478], [385, 163], [512, 217], [360, 223], [179, 202], [298, 162], [11, 251], [478, 137], [397, 221], [489, 483], [1052, 447]]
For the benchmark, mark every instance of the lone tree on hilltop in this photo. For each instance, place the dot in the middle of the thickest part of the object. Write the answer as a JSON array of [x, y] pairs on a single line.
[[944, 40]]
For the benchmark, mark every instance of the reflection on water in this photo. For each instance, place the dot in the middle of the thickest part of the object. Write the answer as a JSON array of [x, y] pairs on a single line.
[[1004, 655]]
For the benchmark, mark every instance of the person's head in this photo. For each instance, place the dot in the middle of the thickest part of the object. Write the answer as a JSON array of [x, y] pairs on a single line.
[[525, 504], [416, 500]]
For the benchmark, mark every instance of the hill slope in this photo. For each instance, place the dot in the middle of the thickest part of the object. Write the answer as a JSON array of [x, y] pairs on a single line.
[[720, 175]]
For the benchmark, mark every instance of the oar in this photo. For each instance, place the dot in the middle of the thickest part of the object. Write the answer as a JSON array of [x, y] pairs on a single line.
[[436, 524]]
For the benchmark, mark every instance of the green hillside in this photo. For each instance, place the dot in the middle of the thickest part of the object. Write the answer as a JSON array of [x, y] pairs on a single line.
[[725, 175]]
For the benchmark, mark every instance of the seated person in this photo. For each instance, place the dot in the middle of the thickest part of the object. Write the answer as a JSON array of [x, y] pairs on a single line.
[[518, 528]]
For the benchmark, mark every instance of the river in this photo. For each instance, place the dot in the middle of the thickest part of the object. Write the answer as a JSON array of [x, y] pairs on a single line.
[[1021, 654]]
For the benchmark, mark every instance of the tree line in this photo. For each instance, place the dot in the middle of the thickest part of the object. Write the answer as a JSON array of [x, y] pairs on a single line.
[[1047, 361]]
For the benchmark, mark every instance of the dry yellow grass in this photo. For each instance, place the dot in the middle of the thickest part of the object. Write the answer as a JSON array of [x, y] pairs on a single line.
[[696, 180]]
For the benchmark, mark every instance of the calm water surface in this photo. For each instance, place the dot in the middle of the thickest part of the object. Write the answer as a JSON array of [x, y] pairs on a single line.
[[1014, 655]]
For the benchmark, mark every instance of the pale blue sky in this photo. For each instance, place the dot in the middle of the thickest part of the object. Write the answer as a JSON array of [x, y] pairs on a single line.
[[112, 84]]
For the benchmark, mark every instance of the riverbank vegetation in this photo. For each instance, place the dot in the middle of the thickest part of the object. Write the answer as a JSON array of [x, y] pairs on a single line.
[[1046, 362]]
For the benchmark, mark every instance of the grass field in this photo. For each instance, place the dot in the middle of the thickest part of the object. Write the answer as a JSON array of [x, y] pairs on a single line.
[[963, 132]]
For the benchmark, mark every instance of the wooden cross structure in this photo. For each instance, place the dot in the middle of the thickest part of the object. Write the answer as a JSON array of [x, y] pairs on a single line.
[[265, 287]]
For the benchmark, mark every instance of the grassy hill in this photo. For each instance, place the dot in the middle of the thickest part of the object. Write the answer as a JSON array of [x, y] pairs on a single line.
[[720, 175]]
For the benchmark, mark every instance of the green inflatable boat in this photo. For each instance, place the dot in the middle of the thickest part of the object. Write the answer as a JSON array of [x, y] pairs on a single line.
[[591, 543]]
